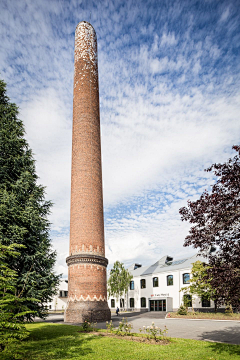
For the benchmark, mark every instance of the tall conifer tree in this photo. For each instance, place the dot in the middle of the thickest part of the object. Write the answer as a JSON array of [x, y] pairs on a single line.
[[24, 211]]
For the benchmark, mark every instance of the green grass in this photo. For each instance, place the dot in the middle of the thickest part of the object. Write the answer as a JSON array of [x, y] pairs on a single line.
[[56, 341], [201, 315]]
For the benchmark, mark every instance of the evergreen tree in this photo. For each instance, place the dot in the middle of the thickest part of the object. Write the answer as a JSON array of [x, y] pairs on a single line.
[[23, 212], [12, 308]]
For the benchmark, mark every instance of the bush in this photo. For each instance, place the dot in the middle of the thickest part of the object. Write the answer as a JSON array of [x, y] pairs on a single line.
[[87, 326], [154, 331], [182, 310], [229, 310], [124, 328], [110, 326]]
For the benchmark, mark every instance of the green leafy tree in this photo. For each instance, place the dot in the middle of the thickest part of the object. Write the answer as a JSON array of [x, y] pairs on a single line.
[[200, 284], [23, 213], [118, 281]]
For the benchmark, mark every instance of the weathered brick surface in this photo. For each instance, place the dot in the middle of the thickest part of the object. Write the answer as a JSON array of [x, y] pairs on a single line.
[[87, 282]]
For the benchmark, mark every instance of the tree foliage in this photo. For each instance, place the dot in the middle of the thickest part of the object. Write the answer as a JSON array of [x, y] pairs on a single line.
[[23, 212], [118, 281], [200, 284], [12, 306], [216, 222]]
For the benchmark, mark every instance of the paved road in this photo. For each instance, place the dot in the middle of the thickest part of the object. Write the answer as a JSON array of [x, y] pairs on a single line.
[[208, 330]]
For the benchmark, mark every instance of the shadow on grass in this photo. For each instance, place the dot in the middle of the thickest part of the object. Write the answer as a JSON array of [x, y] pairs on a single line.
[[48, 341], [229, 335]]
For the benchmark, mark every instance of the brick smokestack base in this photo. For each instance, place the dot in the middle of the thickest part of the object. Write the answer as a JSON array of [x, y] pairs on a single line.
[[87, 281]]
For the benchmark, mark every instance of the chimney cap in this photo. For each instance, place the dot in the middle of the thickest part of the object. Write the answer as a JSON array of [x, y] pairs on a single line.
[[85, 22]]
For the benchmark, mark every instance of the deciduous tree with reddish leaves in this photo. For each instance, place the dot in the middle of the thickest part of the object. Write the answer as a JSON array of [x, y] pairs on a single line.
[[216, 222]]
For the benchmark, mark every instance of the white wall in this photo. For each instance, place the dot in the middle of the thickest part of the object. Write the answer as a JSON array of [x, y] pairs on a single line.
[[59, 302], [163, 290]]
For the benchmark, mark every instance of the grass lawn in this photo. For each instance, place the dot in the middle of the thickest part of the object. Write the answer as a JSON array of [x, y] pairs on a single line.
[[57, 341], [201, 315]]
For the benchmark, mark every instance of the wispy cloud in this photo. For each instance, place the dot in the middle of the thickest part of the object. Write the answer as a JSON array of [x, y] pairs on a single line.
[[169, 95]]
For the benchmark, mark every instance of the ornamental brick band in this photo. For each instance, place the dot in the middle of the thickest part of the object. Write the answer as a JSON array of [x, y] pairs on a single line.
[[82, 258], [87, 282]]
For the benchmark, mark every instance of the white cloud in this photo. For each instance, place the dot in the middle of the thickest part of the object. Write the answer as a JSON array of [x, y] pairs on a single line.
[[169, 108], [225, 14], [196, 67], [168, 39], [48, 130]]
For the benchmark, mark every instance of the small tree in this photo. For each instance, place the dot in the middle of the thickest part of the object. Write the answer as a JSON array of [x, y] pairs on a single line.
[[215, 220], [119, 280], [200, 284]]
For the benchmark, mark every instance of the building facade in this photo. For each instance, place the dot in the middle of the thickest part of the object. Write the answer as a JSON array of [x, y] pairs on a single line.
[[153, 288], [158, 287]]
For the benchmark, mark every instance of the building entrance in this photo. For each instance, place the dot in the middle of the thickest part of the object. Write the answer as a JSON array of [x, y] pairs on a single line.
[[157, 305]]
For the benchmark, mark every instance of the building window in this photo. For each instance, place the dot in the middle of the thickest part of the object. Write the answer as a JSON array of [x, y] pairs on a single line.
[[142, 283], [112, 303], [50, 306], [155, 282], [187, 300], [205, 302], [65, 293], [131, 302], [60, 294], [169, 280], [132, 285], [143, 302], [121, 303], [186, 278]]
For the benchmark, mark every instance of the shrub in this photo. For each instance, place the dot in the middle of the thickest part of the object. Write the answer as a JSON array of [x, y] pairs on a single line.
[[153, 331], [182, 310], [229, 310], [110, 326], [124, 328], [87, 326]]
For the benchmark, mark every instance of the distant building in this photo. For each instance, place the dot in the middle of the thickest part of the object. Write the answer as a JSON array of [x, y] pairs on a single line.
[[59, 302], [157, 287], [153, 288]]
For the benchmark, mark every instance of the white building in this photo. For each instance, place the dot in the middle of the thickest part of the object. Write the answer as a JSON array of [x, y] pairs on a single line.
[[59, 301], [157, 287], [153, 288]]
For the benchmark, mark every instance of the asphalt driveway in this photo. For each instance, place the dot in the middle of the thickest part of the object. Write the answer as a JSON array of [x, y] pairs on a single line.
[[208, 330]]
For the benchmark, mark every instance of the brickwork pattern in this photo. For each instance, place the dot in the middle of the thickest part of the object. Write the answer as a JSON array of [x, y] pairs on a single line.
[[87, 281]]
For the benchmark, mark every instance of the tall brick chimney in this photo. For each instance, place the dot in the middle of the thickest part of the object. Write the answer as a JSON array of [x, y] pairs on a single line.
[[87, 287]]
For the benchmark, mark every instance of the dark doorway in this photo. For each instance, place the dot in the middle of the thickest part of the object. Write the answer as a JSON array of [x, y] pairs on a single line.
[[157, 305]]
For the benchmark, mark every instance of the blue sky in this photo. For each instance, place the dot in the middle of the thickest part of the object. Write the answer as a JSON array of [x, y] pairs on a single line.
[[169, 102]]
